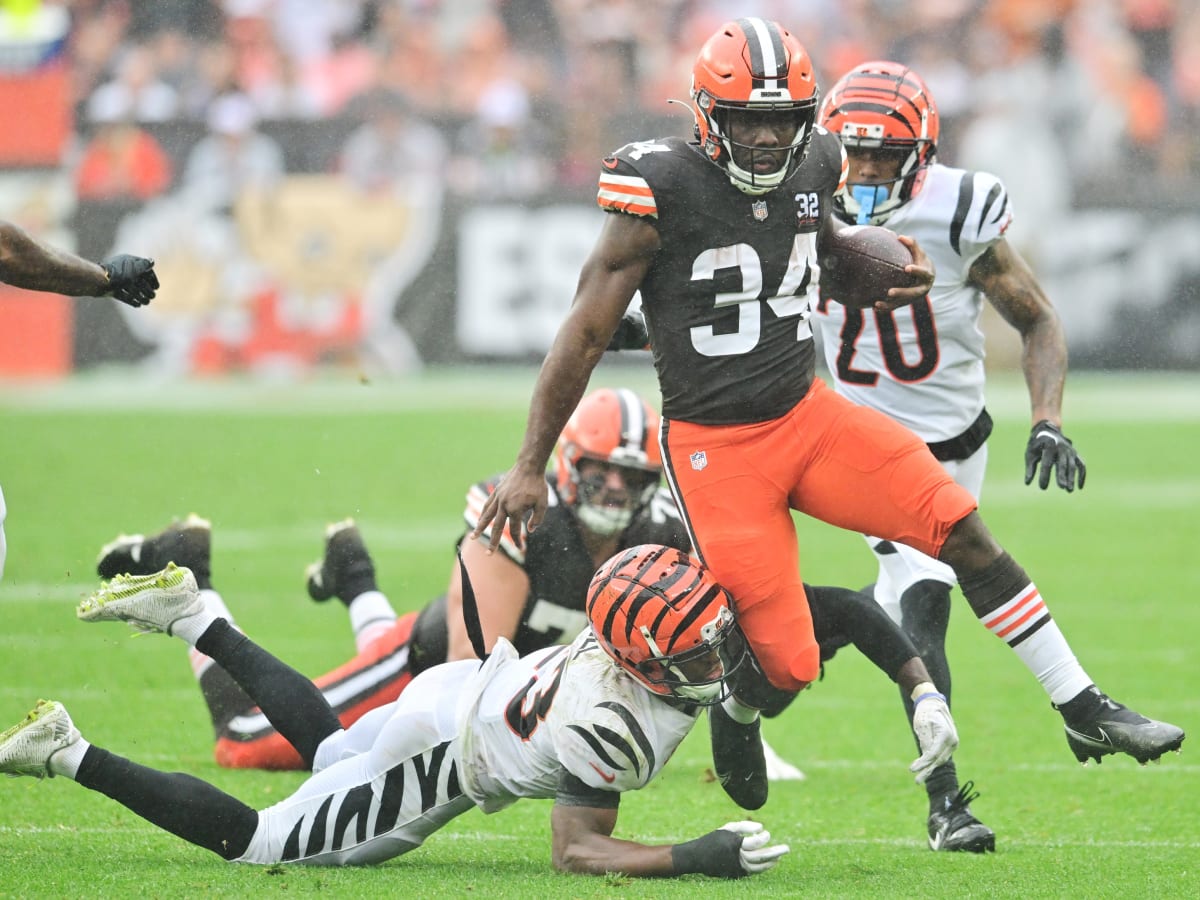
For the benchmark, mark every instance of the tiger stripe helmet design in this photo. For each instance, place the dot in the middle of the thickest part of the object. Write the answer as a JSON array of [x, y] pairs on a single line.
[[617, 427], [753, 64], [885, 106], [663, 619]]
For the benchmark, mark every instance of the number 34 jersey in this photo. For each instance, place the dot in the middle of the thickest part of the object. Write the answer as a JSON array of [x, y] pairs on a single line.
[[728, 295], [569, 708], [923, 364]]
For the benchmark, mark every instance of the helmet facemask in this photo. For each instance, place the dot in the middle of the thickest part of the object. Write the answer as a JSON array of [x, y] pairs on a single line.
[[593, 503], [699, 675], [872, 203], [745, 176]]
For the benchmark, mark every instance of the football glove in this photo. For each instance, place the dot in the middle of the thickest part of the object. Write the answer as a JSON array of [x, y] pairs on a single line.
[[935, 731], [631, 333], [131, 279], [734, 850], [1051, 448]]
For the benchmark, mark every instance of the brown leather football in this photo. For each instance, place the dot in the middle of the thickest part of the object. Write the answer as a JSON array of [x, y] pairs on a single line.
[[860, 263]]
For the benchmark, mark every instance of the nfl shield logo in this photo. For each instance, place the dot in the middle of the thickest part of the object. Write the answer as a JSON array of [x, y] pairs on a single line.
[[699, 460], [759, 208]]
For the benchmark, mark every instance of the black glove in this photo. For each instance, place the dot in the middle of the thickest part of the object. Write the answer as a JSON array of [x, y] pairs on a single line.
[[1049, 446], [631, 333], [734, 850], [131, 279]]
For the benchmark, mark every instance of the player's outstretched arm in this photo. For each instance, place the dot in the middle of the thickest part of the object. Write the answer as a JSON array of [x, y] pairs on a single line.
[[610, 277], [1010, 285], [583, 844], [28, 263]]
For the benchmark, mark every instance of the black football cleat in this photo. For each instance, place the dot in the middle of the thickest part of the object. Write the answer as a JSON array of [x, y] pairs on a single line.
[[346, 569], [954, 829], [1112, 727], [187, 544], [738, 758]]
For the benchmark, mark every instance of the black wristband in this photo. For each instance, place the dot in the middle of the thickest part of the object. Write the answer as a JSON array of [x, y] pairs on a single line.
[[718, 853]]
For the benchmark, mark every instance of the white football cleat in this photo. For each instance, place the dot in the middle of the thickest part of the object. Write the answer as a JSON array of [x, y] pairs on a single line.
[[778, 768], [27, 747], [149, 603]]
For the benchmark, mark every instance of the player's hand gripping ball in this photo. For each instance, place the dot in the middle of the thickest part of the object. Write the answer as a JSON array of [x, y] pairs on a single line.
[[859, 264]]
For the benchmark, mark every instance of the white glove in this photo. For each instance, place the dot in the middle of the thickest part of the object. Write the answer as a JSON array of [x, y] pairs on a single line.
[[755, 855], [778, 768], [935, 731]]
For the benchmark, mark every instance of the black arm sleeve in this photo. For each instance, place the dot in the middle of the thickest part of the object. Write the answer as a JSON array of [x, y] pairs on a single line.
[[842, 616], [574, 791]]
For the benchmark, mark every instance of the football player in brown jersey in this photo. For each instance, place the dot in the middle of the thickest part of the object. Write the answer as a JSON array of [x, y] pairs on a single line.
[[721, 237]]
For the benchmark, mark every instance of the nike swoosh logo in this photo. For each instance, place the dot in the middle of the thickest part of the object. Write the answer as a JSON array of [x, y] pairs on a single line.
[[609, 777], [1103, 741], [610, 163]]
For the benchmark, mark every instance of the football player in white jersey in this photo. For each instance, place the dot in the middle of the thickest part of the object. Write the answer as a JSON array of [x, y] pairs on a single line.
[[922, 364], [578, 723]]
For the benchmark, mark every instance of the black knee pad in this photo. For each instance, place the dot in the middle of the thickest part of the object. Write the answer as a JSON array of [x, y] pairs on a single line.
[[429, 644]]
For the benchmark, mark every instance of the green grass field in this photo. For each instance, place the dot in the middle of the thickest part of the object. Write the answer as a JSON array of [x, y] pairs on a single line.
[[271, 465]]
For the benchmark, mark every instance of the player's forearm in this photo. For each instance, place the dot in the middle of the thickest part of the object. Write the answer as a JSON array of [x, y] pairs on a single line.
[[911, 674], [30, 264], [1044, 365], [560, 386], [599, 855]]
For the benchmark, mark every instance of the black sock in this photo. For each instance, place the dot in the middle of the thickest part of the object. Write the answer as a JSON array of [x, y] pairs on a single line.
[[185, 806], [1082, 706], [225, 699], [293, 704], [941, 785]]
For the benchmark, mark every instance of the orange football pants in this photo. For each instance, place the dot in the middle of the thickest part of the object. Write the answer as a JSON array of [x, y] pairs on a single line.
[[844, 464]]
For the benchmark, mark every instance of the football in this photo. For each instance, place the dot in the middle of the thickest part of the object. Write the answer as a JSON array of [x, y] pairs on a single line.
[[860, 263]]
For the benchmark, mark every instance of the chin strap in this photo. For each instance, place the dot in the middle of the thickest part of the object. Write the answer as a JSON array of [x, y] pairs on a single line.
[[471, 610]]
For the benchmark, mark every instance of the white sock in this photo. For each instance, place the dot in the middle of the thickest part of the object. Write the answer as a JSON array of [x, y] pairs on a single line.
[[189, 628], [66, 762], [370, 615], [1025, 624], [214, 604], [1049, 657], [738, 711]]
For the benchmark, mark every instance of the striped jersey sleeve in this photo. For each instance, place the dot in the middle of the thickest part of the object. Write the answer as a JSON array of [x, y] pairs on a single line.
[[610, 749], [622, 189], [982, 215]]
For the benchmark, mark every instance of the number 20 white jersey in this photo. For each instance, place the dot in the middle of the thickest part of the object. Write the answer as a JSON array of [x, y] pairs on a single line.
[[923, 364]]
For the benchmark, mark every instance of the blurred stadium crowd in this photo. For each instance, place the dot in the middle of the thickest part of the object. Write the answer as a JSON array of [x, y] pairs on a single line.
[[1070, 100]]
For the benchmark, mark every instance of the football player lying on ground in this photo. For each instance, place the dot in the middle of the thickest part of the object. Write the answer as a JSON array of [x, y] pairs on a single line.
[[578, 723], [247, 738], [606, 482]]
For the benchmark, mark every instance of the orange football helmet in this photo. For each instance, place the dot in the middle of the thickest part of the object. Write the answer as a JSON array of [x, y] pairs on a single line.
[[753, 64], [664, 620], [883, 106], [619, 430]]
